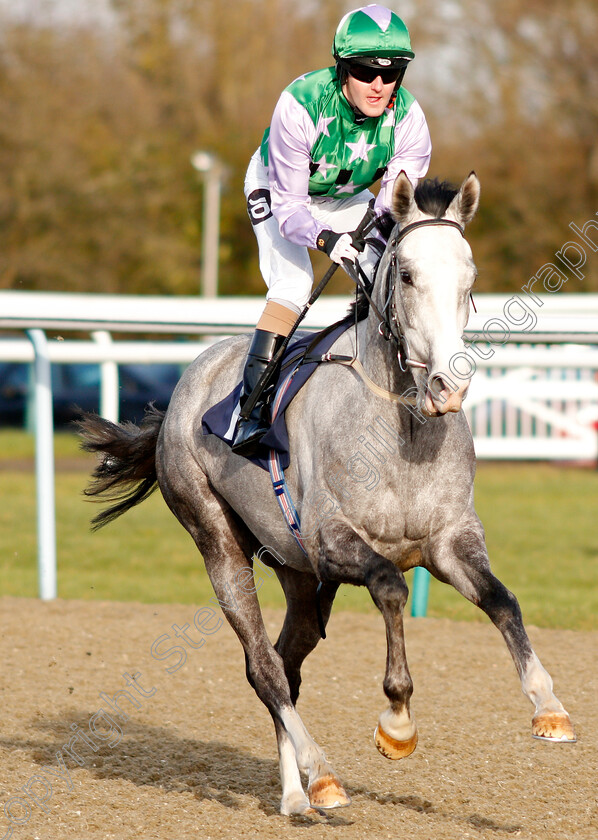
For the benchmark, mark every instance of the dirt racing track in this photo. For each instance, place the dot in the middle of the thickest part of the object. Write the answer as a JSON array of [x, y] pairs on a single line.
[[196, 758]]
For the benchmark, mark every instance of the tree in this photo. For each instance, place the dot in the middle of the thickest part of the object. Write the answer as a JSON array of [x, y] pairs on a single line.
[[98, 124]]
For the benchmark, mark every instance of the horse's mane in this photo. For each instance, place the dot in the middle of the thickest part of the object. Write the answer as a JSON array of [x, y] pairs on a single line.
[[362, 304], [432, 198]]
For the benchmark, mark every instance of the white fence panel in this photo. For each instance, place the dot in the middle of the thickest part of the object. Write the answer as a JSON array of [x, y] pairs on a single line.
[[536, 402]]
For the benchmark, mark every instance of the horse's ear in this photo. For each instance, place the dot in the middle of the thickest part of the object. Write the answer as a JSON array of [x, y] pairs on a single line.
[[464, 205], [402, 198]]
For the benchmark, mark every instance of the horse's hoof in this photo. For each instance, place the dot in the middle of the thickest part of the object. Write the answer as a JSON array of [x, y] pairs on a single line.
[[298, 806], [327, 792], [554, 726], [391, 748]]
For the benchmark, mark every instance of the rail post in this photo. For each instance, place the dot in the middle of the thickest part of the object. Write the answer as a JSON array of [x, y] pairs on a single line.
[[109, 382], [44, 466], [421, 587]]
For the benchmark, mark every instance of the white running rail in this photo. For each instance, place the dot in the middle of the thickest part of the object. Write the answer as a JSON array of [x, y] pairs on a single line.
[[534, 395]]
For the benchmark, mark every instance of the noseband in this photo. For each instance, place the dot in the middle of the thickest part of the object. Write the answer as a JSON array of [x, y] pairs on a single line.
[[389, 326]]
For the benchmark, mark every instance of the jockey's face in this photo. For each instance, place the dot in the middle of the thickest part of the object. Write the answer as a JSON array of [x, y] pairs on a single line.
[[371, 98]]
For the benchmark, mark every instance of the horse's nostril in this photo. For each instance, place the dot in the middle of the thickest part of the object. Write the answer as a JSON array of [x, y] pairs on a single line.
[[437, 385]]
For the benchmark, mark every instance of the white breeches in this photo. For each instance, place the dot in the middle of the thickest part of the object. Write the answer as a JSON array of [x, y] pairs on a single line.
[[286, 267]]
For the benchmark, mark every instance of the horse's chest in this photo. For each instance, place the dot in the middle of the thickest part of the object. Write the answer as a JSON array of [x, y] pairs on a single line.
[[404, 553]]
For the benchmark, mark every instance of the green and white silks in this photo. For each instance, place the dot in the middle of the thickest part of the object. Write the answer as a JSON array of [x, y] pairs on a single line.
[[316, 147]]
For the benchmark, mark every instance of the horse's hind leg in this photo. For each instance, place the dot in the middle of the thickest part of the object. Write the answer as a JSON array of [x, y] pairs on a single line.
[[224, 543], [346, 558], [299, 635], [460, 558]]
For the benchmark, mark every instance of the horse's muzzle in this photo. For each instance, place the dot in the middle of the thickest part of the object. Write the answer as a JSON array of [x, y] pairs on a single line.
[[442, 396]]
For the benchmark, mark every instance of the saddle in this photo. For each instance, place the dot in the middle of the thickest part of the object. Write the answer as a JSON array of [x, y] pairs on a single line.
[[299, 362]]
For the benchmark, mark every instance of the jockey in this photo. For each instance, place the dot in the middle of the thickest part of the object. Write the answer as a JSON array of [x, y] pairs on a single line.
[[334, 132]]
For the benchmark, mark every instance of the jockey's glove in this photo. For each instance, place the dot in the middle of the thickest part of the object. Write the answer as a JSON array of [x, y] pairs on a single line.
[[340, 246]]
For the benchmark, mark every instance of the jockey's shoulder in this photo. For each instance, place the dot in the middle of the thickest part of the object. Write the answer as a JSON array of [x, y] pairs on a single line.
[[314, 84]]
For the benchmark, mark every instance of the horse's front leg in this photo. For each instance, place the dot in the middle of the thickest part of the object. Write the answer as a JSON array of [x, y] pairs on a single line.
[[346, 558], [459, 557]]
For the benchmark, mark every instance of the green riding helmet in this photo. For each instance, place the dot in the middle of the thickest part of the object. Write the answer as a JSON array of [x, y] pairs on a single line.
[[373, 36]]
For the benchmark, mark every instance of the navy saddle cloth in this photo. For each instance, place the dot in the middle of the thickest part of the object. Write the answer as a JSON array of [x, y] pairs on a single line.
[[221, 419]]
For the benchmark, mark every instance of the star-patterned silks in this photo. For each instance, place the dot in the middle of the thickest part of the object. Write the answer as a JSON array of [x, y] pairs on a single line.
[[359, 150], [322, 126], [344, 157], [323, 165], [390, 118]]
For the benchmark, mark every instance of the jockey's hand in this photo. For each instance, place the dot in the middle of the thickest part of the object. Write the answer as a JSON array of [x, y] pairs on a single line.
[[340, 246]]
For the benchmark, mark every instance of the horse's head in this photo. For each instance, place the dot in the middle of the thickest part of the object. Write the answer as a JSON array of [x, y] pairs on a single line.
[[431, 271]]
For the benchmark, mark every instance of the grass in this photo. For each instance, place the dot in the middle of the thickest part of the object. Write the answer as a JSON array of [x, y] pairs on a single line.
[[540, 525]]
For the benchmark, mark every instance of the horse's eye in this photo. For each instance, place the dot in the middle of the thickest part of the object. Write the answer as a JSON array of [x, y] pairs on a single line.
[[405, 277]]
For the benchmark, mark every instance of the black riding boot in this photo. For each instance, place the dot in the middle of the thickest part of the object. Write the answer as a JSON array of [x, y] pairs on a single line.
[[262, 350]]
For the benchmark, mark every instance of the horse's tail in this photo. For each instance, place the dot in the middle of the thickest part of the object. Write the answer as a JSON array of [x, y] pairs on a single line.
[[126, 474]]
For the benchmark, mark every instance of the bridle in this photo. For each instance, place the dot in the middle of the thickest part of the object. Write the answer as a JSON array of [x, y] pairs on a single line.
[[390, 326]]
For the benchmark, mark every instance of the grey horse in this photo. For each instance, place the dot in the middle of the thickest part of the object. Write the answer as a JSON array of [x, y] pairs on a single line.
[[381, 474]]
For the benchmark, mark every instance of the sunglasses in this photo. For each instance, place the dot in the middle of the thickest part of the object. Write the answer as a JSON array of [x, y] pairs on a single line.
[[389, 75]]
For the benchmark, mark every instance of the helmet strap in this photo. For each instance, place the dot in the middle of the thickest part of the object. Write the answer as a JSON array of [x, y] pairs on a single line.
[[341, 73]]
